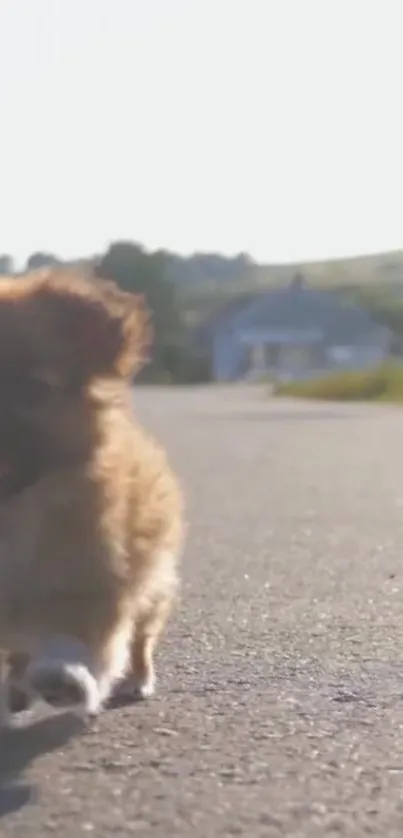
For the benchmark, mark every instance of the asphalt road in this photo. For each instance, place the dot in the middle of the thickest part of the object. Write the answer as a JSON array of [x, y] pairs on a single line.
[[280, 703]]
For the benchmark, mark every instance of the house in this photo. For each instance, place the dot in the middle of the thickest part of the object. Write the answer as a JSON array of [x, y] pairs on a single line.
[[291, 332]]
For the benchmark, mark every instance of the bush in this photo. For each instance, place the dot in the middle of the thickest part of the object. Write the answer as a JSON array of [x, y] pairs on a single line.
[[383, 383]]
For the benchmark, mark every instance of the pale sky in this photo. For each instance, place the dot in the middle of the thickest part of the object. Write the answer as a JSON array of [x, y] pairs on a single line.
[[268, 126]]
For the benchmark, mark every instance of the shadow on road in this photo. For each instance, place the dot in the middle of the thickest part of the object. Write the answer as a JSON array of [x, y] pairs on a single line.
[[19, 747]]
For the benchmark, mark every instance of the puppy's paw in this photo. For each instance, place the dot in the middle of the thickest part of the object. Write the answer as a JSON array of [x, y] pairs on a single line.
[[144, 688], [65, 686], [131, 690]]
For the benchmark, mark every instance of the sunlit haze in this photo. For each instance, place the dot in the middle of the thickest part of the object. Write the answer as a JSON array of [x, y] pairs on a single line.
[[267, 126]]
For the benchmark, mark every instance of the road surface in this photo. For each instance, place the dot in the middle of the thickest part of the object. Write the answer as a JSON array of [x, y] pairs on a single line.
[[280, 703]]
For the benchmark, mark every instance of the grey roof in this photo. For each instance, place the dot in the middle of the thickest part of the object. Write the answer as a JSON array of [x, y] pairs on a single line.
[[302, 308]]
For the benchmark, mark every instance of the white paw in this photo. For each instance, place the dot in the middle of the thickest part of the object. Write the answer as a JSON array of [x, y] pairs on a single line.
[[65, 685], [133, 689], [145, 689]]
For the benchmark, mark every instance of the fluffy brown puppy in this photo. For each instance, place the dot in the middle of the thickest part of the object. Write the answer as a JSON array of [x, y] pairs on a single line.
[[90, 511]]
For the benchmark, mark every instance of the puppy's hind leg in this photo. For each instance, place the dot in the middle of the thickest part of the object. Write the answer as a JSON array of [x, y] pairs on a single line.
[[20, 696], [113, 659], [5, 714], [15, 695], [140, 681]]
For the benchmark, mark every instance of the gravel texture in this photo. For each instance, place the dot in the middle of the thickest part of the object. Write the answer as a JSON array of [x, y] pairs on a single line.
[[279, 709]]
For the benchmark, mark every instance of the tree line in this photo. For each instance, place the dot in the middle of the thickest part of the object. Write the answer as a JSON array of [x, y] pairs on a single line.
[[138, 271], [166, 280]]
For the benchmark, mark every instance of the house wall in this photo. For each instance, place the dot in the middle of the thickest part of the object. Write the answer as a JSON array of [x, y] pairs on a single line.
[[330, 336], [232, 357], [227, 357], [356, 356], [335, 359]]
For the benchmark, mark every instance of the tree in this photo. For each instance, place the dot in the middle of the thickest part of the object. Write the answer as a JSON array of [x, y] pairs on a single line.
[[140, 272], [40, 259], [6, 265]]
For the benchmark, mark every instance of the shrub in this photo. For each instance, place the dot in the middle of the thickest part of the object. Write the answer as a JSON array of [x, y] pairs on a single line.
[[382, 383]]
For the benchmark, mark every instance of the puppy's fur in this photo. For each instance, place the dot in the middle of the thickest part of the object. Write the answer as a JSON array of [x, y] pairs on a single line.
[[90, 511]]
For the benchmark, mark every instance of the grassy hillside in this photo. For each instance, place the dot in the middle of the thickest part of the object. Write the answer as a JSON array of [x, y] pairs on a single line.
[[379, 275], [384, 268]]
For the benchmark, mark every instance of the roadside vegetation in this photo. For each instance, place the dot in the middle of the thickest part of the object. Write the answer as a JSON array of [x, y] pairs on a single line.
[[380, 384]]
